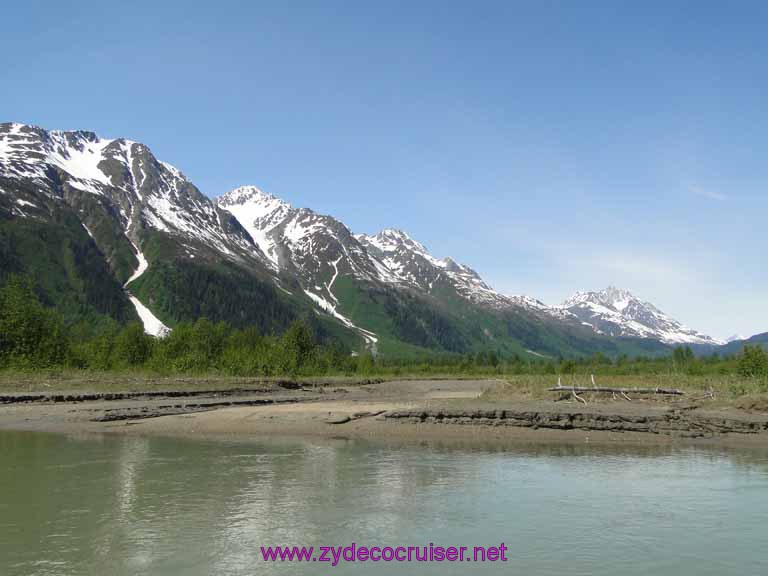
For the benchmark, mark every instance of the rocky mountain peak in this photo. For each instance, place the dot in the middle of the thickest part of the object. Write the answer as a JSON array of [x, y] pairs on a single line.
[[142, 192], [618, 312], [611, 297], [250, 194]]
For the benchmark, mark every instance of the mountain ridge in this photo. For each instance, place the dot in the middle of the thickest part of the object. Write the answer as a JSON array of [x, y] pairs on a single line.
[[166, 242], [612, 311]]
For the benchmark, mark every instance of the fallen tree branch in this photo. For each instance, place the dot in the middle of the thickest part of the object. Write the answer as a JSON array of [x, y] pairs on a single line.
[[579, 398], [572, 390]]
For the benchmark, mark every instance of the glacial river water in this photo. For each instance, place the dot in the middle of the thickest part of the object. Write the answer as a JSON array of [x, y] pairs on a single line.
[[158, 506]]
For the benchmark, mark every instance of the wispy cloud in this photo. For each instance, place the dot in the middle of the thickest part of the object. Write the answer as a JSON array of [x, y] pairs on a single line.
[[699, 191]]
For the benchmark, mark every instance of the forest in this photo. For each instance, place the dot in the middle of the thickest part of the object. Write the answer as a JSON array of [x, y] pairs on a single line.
[[34, 337]]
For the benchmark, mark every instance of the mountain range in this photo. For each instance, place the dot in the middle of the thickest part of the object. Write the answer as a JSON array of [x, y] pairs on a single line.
[[111, 234]]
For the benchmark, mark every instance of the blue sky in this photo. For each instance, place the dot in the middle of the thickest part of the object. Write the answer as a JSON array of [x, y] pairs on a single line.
[[553, 146]]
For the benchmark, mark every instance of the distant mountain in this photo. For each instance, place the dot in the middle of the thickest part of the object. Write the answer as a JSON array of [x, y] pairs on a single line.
[[617, 312], [112, 234], [736, 346]]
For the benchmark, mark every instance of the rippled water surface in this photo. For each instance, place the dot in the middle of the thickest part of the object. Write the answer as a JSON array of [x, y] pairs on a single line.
[[120, 506]]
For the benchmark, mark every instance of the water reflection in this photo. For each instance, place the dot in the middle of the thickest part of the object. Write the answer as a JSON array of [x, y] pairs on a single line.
[[95, 505]]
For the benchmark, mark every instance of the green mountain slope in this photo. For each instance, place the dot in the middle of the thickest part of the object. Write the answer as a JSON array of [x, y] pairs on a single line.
[[56, 252], [407, 321]]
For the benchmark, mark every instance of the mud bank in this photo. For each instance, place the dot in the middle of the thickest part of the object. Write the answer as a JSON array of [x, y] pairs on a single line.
[[685, 424]]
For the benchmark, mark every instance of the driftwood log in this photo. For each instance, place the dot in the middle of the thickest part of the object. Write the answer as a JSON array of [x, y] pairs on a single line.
[[587, 389], [623, 392]]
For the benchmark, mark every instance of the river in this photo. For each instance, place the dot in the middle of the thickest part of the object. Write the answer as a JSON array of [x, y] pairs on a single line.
[[158, 506]]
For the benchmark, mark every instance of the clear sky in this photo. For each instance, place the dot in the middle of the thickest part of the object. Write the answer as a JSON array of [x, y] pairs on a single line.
[[553, 146]]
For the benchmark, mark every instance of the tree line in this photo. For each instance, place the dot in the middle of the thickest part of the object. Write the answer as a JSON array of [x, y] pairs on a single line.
[[35, 337]]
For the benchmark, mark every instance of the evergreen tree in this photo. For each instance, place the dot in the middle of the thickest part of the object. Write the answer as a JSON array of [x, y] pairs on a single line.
[[133, 347], [31, 336], [366, 363], [753, 362], [682, 359], [298, 347]]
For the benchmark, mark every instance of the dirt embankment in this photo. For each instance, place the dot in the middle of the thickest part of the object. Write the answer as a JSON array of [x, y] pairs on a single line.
[[686, 424]]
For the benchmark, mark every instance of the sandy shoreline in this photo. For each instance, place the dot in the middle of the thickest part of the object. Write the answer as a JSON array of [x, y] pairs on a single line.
[[454, 410]]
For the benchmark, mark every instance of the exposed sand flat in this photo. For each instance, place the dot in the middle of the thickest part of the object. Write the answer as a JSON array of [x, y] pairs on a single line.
[[413, 410]]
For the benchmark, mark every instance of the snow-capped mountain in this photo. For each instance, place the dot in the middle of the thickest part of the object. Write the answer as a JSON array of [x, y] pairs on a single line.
[[617, 312], [312, 245], [145, 192], [409, 260], [119, 181], [315, 248], [319, 248]]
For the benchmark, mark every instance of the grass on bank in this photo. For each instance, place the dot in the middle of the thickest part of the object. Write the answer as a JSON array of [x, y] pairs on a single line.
[[729, 389]]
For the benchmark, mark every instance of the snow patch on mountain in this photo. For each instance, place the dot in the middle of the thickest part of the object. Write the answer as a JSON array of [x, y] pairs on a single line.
[[143, 264], [529, 303], [330, 308], [152, 324], [259, 213], [21, 202], [26, 152], [81, 161]]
